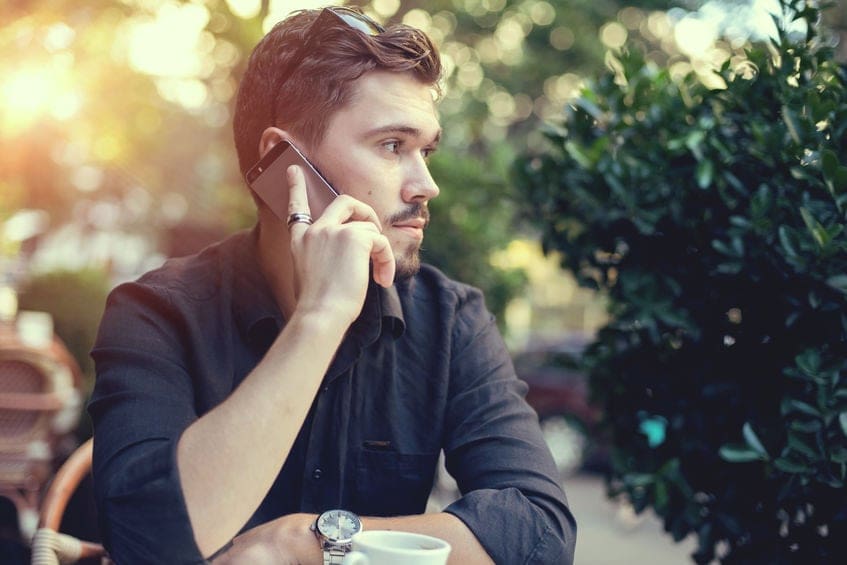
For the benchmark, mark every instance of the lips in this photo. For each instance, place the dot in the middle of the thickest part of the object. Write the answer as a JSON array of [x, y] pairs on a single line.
[[413, 220], [416, 223]]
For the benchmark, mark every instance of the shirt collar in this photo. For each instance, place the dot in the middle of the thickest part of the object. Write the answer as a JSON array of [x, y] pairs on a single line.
[[382, 312]]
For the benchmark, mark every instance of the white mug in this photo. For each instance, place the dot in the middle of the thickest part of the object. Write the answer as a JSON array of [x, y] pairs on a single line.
[[384, 547]]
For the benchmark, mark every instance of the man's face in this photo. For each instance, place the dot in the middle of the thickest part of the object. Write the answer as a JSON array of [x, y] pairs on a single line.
[[375, 150]]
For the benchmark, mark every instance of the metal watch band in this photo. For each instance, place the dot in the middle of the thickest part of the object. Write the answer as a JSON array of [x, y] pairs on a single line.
[[334, 556]]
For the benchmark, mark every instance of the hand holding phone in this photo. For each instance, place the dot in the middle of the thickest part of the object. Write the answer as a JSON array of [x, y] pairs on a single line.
[[269, 180]]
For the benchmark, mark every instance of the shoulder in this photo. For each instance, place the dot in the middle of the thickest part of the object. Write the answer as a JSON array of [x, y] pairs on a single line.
[[193, 278]]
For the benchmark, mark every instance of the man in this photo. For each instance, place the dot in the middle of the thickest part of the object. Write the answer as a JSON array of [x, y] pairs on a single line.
[[316, 369]]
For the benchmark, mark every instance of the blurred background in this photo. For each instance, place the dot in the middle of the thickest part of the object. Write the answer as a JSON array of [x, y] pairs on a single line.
[[116, 152]]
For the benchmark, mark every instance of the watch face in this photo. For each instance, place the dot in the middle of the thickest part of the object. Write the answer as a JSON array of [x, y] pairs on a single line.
[[339, 525]]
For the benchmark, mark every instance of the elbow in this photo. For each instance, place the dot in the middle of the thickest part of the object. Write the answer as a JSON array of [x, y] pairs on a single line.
[[555, 546], [141, 511]]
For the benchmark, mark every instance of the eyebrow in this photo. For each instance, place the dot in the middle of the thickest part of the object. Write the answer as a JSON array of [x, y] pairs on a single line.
[[409, 131]]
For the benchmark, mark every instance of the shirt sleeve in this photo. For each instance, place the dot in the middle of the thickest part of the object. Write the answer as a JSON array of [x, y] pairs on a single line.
[[512, 499], [142, 401]]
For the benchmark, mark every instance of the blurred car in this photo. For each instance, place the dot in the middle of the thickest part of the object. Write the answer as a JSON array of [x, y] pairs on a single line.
[[559, 393]]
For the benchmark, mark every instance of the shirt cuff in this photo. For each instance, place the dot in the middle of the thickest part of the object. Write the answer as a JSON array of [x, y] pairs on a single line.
[[511, 529]]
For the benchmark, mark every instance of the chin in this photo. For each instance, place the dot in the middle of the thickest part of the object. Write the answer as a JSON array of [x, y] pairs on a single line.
[[407, 266]]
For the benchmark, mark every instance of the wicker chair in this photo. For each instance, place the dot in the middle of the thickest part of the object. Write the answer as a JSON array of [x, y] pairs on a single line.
[[39, 407], [49, 547]]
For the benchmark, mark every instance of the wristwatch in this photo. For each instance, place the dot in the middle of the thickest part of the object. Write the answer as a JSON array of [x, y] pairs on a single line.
[[334, 530]]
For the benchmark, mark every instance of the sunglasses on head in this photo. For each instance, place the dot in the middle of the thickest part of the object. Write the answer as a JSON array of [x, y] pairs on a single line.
[[352, 18], [329, 16]]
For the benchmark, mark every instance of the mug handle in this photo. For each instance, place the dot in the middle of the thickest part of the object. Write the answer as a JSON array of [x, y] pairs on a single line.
[[356, 558]]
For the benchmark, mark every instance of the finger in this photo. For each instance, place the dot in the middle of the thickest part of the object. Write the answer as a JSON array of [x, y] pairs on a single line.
[[384, 264], [347, 209], [298, 201]]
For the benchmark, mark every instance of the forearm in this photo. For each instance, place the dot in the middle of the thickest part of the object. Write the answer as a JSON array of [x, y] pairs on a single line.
[[228, 459]]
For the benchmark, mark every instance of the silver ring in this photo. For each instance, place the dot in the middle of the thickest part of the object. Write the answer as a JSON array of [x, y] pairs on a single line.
[[299, 218]]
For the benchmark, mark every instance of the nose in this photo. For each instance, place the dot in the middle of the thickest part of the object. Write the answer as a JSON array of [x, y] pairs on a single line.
[[419, 184]]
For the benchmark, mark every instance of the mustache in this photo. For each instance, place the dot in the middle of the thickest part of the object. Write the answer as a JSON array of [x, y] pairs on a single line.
[[416, 210]]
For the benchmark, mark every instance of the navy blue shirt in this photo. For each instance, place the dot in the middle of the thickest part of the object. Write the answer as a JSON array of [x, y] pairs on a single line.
[[423, 369]]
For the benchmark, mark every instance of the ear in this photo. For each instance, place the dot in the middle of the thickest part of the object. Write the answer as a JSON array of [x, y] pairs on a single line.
[[270, 137]]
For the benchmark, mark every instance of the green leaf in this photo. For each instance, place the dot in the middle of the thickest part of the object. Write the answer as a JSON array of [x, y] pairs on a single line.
[[829, 164], [705, 173], [804, 446], [809, 362], [791, 467], [785, 239], [806, 427], [818, 232], [794, 405], [635, 480], [842, 419], [736, 453], [694, 141], [753, 440], [839, 183], [579, 155], [661, 496], [791, 122], [734, 249], [838, 282], [590, 107], [838, 455]]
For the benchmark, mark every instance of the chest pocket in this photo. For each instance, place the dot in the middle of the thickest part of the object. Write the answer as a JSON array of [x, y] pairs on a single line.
[[388, 483]]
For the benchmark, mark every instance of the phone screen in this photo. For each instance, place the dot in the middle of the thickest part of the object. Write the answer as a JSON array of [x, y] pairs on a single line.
[[268, 178]]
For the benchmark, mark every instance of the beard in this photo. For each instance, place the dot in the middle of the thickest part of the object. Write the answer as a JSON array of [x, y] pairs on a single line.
[[408, 264], [408, 260]]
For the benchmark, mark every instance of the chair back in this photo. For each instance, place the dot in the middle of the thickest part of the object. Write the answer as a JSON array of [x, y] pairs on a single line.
[[49, 546], [39, 407]]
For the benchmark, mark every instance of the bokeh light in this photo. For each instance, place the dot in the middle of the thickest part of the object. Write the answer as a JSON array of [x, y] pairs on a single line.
[[613, 35], [40, 88], [562, 38]]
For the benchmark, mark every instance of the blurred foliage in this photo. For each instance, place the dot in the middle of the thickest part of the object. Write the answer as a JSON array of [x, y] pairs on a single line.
[[75, 299], [714, 220], [469, 221], [129, 103]]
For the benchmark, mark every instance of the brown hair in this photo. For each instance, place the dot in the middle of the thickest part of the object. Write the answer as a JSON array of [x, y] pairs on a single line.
[[322, 81]]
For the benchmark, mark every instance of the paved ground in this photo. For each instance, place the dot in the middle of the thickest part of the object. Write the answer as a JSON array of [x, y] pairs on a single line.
[[610, 534]]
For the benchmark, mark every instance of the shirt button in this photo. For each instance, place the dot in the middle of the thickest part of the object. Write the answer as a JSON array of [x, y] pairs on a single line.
[[317, 474]]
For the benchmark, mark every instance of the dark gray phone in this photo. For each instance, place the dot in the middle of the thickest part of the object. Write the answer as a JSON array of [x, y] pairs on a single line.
[[268, 178]]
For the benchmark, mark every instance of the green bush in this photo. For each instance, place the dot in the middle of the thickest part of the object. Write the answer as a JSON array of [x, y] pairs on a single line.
[[714, 221], [76, 300]]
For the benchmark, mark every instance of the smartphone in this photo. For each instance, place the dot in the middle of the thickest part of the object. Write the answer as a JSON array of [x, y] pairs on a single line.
[[269, 179]]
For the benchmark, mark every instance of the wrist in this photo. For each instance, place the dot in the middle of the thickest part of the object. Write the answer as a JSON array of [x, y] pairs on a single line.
[[328, 313], [324, 321], [295, 535]]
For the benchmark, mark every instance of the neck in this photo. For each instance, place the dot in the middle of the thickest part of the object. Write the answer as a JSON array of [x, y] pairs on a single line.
[[277, 266]]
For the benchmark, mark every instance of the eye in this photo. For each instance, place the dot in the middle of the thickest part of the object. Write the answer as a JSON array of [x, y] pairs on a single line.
[[392, 146], [427, 152]]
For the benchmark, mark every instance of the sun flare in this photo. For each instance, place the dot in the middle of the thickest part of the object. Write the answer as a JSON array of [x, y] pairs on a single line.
[[31, 93]]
